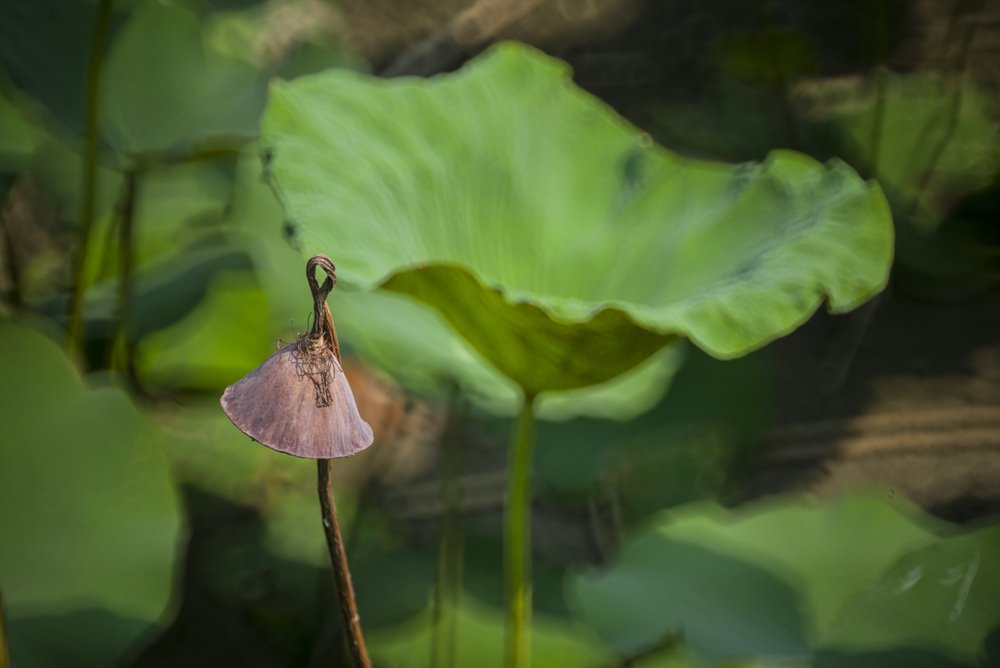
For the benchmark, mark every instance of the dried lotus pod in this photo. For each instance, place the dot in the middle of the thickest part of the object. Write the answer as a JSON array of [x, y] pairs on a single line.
[[299, 401]]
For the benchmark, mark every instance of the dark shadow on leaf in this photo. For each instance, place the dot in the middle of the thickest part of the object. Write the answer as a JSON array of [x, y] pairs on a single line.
[[900, 657], [83, 638]]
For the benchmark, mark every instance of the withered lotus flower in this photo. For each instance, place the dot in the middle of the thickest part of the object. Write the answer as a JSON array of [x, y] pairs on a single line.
[[299, 401]]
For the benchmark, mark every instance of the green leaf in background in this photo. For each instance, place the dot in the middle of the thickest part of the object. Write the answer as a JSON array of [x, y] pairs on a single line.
[[44, 49], [938, 140], [944, 598], [766, 581], [164, 90], [215, 343], [18, 136], [175, 245], [166, 292], [555, 643], [554, 237], [89, 517], [662, 587], [935, 151], [290, 39], [207, 453], [183, 205]]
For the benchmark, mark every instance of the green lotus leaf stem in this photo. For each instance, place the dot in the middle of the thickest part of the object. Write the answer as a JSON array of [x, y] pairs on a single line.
[[517, 537]]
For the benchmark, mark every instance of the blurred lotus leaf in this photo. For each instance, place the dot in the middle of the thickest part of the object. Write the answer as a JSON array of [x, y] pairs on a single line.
[[18, 136], [936, 143], [479, 641], [556, 239], [216, 342], [944, 598], [766, 582], [89, 517], [164, 89], [44, 47]]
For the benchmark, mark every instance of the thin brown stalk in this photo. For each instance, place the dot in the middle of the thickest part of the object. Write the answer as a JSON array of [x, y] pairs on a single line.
[[341, 570]]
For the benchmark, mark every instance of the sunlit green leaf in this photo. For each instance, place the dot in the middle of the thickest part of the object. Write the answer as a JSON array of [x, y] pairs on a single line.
[[551, 235], [89, 519], [406, 338]]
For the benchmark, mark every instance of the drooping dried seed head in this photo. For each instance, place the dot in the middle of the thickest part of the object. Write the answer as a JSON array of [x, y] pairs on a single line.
[[299, 401]]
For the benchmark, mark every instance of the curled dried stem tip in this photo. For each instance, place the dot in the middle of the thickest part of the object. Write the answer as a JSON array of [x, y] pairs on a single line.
[[320, 292], [322, 326]]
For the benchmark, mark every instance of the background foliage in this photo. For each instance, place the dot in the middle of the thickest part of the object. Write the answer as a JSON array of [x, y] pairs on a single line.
[[138, 527]]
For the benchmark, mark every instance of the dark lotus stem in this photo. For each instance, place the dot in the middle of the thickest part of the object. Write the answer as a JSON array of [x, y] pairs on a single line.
[[88, 174], [341, 570], [351, 620], [121, 342]]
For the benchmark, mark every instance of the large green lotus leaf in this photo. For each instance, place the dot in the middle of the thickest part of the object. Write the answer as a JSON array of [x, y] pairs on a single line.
[[763, 581], [408, 339], [164, 90], [944, 597], [554, 237], [89, 517]]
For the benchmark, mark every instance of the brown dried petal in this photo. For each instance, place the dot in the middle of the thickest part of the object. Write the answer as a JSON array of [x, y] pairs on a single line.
[[298, 401]]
